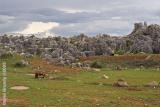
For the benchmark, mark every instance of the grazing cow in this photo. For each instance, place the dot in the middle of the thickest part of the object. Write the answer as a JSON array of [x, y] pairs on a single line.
[[40, 74]]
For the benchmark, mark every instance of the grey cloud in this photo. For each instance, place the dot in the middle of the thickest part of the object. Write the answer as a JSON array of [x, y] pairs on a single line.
[[12, 27], [5, 19], [98, 16]]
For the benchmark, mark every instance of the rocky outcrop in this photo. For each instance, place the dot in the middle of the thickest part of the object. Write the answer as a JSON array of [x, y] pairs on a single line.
[[64, 50], [145, 38]]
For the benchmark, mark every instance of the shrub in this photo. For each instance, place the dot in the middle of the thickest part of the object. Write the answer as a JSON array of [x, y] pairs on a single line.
[[21, 63], [96, 65], [120, 52]]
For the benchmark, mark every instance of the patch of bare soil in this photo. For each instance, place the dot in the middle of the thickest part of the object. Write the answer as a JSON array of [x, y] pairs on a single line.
[[15, 102], [52, 67], [134, 101], [19, 88]]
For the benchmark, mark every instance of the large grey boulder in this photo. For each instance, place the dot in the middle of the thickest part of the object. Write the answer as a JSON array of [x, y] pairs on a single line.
[[152, 84], [121, 83], [145, 38]]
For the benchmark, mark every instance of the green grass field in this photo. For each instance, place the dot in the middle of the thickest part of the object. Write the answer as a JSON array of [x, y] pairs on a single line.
[[82, 89]]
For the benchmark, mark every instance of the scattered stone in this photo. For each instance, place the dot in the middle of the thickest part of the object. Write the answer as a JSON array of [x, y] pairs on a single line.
[[51, 78], [86, 68], [137, 69], [121, 83], [148, 57], [158, 68], [100, 84], [142, 67], [14, 69], [95, 69], [152, 84], [105, 76], [19, 88], [57, 71], [30, 74], [125, 68], [57, 78]]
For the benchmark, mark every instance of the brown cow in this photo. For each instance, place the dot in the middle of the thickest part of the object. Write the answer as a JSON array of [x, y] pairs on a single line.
[[40, 74]]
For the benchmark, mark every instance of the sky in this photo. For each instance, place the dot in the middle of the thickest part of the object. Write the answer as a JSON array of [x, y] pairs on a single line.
[[72, 17]]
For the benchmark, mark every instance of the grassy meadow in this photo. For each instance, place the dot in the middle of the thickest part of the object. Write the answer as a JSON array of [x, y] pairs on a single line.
[[80, 88]]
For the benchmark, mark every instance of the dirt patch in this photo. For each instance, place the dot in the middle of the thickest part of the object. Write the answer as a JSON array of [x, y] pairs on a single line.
[[16, 102], [134, 101], [19, 88], [52, 67]]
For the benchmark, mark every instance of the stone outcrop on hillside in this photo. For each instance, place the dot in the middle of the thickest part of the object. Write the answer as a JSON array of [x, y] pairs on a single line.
[[63, 50], [145, 38]]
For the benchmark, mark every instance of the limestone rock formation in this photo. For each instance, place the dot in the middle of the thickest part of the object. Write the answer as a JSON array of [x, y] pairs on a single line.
[[144, 38]]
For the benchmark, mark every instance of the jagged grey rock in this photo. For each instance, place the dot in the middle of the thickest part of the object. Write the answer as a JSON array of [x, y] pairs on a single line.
[[144, 38]]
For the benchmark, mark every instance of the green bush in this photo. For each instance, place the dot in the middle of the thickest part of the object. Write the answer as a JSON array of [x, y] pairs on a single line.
[[120, 52], [21, 63], [96, 65]]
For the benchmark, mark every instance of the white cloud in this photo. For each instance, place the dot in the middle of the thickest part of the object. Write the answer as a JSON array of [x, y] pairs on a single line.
[[71, 11], [37, 27], [74, 11]]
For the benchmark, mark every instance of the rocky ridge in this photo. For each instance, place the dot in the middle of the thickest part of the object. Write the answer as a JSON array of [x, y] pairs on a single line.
[[66, 51]]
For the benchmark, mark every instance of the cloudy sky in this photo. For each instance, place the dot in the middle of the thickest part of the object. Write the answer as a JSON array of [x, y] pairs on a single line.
[[70, 17]]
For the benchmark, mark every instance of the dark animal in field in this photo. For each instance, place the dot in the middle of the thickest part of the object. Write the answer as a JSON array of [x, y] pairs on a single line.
[[40, 74]]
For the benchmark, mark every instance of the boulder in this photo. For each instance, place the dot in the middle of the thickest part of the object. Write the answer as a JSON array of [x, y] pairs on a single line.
[[95, 69], [105, 76], [152, 84], [121, 83], [28, 55]]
